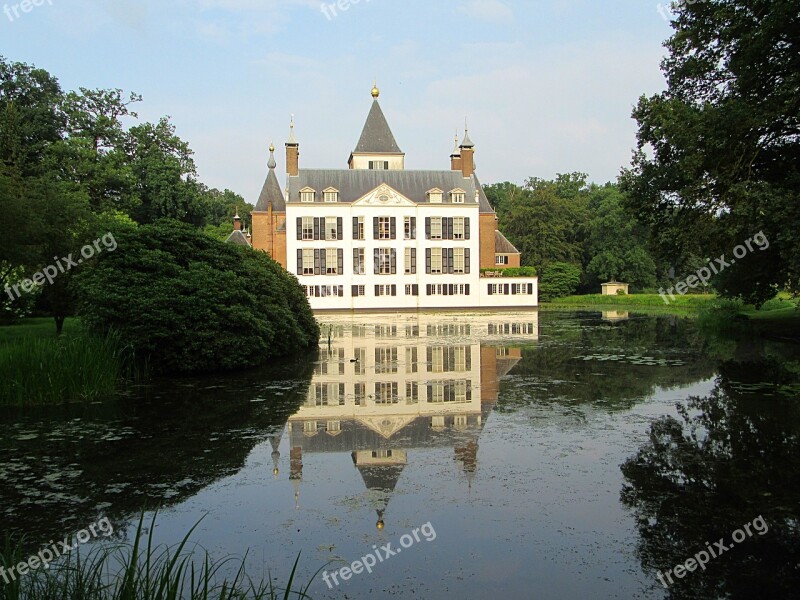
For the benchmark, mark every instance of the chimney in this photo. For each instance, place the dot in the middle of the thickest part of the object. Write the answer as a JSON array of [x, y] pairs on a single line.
[[467, 156], [292, 153]]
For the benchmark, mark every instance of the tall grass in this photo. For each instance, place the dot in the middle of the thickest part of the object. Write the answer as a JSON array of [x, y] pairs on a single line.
[[142, 571], [688, 302], [79, 367]]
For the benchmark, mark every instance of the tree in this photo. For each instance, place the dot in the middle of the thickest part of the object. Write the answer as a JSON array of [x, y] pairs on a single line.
[[558, 280], [189, 303], [617, 244], [719, 151]]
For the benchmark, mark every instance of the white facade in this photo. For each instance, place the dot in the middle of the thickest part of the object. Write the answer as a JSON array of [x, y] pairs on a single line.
[[405, 282]]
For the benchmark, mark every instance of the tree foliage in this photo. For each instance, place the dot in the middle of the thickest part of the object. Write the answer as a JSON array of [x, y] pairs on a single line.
[[719, 150], [190, 303]]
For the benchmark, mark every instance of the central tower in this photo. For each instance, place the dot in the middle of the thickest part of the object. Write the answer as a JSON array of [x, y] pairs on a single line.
[[377, 149]]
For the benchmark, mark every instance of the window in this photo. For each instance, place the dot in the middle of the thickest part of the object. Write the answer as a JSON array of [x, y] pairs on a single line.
[[331, 261], [384, 228], [308, 262], [379, 165], [386, 361], [435, 196], [437, 393], [386, 393], [499, 259], [325, 291], [358, 228], [412, 289], [411, 360], [412, 392], [459, 263], [436, 228], [359, 291], [307, 228], [457, 196], [461, 392], [307, 195], [458, 228], [452, 289], [410, 261], [436, 261], [331, 195], [410, 228], [359, 262], [460, 359], [360, 393], [437, 360], [331, 229], [385, 290], [385, 261]]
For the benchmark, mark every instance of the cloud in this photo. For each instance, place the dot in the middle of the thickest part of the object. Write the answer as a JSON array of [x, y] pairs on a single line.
[[488, 10]]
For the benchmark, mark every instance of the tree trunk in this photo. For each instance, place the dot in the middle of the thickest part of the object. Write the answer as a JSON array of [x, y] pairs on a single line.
[[59, 324]]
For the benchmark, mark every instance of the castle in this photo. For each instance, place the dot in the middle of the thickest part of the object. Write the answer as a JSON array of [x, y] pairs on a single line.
[[378, 236]]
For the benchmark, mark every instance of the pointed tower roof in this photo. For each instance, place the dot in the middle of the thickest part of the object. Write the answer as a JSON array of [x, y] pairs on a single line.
[[271, 192], [457, 149], [467, 143], [377, 136]]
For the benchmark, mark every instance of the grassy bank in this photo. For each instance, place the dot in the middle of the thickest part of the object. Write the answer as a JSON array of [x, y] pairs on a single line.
[[633, 302], [138, 570], [38, 367]]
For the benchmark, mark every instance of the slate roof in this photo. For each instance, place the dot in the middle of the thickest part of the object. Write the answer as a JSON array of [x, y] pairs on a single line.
[[502, 245], [271, 192], [377, 137], [414, 185], [237, 238]]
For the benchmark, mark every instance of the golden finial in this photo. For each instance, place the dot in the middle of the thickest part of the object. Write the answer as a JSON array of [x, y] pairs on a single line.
[[272, 147], [380, 525], [375, 91]]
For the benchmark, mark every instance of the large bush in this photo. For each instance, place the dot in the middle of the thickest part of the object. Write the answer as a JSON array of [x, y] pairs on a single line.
[[558, 280], [190, 303]]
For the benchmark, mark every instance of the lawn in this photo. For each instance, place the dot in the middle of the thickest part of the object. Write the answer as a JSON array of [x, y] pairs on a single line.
[[692, 302]]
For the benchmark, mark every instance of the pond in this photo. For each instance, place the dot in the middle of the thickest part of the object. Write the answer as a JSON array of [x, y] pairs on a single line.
[[465, 455]]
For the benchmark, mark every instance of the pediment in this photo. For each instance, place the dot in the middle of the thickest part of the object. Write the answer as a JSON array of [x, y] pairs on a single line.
[[384, 195]]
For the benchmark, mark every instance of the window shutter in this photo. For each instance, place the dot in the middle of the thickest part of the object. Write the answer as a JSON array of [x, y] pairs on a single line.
[[393, 228], [341, 262], [467, 253], [377, 291], [413, 228], [394, 290], [505, 287], [469, 385], [323, 262], [427, 228], [377, 262], [341, 295], [447, 223], [355, 228], [340, 228], [466, 289], [451, 260], [466, 228], [299, 262], [513, 289], [413, 261], [316, 228], [428, 289], [394, 261], [316, 262], [375, 228], [355, 291], [530, 289], [415, 291], [428, 263], [299, 228]]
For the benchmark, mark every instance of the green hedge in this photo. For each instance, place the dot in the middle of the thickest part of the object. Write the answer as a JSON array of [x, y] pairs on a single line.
[[513, 271]]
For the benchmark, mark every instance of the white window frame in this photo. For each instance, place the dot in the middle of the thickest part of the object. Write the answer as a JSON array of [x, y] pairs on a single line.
[[459, 261], [501, 260], [307, 229], [437, 228], [307, 195], [385, 261], [331, 266], [331, 195], [308, 261], [384, 228], [331, 229], [437, 264], [459, 228], [360, 266]]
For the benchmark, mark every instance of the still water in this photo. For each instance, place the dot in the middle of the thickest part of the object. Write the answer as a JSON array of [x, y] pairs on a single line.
[[514, 451]]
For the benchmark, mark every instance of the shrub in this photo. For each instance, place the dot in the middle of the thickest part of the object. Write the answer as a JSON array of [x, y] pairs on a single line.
[[513, 271], [559, 280], [190, 303]]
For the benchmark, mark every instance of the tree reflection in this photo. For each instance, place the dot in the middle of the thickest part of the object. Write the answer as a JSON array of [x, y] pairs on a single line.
[[729, 458]]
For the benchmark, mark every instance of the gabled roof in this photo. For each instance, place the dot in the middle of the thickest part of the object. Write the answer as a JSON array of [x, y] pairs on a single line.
[[377, 137], [237, 238], [502, 245], [271, 192]]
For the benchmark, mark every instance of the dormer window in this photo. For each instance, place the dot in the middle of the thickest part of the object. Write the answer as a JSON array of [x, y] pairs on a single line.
[[379, 165], [331, 195], [307, 195], [458, 196], [435, 196]]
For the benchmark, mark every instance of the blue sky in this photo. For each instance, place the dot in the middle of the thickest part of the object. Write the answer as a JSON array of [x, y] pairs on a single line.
[[548, 85]]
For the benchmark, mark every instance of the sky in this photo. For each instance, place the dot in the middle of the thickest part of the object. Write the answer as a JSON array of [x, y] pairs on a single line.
[[548, 86]]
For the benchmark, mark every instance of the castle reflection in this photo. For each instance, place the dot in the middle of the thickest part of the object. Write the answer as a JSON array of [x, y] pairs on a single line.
[[404, 382]]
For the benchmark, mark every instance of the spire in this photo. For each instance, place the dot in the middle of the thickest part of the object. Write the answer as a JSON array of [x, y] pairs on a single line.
[[271, 164], [292, 141], [467, 143], [377, 136], [457, 149]]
